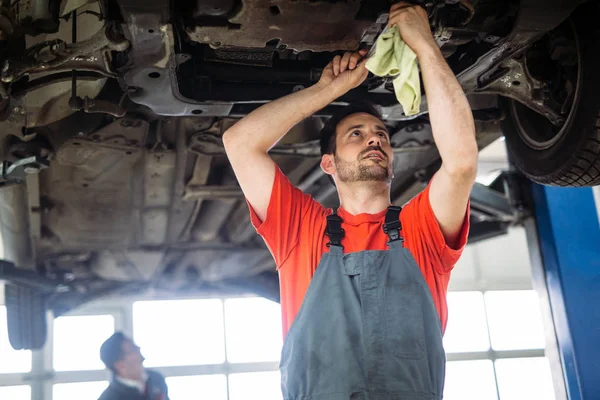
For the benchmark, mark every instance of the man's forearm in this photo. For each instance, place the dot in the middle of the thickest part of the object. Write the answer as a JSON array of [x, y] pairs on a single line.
[[266, 125], [450, 114]]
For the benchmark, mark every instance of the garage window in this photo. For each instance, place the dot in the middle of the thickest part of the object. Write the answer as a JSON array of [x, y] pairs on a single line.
[[212, 387], [524, 378], [78, 390], [255, 385], [77, 341], [515, 320], [11, 361], [467, 329], [180, 332], [21, 392], [253, 327], [470, 380], [495, 347]]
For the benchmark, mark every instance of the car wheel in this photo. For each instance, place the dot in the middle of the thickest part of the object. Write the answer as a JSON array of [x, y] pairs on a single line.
[[566, 153], [26, 317]]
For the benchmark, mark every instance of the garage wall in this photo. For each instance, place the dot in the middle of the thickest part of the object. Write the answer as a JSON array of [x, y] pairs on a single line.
[[500, 263]]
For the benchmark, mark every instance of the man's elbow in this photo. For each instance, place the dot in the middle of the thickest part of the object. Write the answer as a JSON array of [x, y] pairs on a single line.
[[230, 139], [237, 140], [464, 170]]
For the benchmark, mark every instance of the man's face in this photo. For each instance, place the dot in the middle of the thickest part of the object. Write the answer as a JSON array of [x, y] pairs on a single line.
[[363, 150], [130, 366]]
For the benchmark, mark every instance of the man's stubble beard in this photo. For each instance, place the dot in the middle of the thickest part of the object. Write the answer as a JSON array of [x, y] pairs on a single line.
[[357, 171]]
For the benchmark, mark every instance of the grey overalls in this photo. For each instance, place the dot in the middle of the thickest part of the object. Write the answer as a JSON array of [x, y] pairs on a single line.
[[367, 328]]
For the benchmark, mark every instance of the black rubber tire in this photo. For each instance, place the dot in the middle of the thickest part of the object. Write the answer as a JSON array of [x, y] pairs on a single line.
[[26, 316], [574, 160]]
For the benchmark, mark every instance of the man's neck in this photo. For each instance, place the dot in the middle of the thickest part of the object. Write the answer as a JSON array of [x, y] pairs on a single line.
[[364, 197], [131, 379]]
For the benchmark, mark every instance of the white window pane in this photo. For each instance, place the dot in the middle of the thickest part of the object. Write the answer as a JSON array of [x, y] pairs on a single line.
[[524, 379], [11, 361], [77, 341], [180, 332], [78, 391], [253, 327], [515, 320], [255, 385], [467, 328], [21, 392], [213, 387], [470, 380]]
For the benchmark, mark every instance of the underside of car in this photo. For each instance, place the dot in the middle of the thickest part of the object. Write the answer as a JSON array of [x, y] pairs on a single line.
[[114, 178]]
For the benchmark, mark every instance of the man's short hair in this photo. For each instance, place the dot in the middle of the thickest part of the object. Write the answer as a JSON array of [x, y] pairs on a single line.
[[327, 135], [111, 350]]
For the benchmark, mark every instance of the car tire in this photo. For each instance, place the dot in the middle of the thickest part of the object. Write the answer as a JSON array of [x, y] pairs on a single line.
[[26, 316], [573, 159]]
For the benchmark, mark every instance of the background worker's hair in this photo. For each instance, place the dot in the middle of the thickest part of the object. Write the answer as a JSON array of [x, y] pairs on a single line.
[[111, 350]]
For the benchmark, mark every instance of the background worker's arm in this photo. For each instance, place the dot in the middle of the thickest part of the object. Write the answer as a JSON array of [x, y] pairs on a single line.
[[451, 122], [248, 141]]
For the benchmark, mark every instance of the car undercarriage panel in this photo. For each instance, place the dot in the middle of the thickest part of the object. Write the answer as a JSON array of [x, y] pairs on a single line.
[[296, 25], [138, 191]]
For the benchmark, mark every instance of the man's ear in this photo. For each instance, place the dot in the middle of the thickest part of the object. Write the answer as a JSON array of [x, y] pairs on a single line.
[[118, 365], [327, 164]]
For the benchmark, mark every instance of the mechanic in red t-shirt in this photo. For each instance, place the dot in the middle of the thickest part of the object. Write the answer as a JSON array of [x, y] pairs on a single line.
[[363, 287]]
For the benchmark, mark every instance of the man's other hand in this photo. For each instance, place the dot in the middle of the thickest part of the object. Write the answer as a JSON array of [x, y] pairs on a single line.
[[413, 26], [344, 73]]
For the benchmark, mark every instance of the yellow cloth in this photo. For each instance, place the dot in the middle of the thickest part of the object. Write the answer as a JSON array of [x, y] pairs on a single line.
[[393, 57]]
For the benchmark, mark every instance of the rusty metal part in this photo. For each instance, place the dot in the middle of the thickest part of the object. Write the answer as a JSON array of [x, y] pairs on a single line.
[[204, 143], [517, 83], [212, 7], [93, 183], [95, 62], [17, 172], [3, 92], [53, 55], [39, 16], [442, 35], [470, 8], [22, 88], [530, 26], [94, 106], [213, 192], [6, 25], [299, 25]]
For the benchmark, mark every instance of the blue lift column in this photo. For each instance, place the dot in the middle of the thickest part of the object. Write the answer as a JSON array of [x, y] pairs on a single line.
[[567, 230]]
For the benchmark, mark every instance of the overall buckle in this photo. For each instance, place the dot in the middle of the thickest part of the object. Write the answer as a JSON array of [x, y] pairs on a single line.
[[392, 225], [334, 230]]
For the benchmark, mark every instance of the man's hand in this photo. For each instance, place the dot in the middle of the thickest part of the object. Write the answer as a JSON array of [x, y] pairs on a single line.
[[344, 73], [413, 26]]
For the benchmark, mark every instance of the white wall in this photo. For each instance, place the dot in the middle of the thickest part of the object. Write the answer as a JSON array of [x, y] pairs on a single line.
[[498, 263]]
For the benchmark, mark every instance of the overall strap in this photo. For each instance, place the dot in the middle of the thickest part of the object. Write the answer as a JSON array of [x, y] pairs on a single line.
[[392, 225], [334, 230]]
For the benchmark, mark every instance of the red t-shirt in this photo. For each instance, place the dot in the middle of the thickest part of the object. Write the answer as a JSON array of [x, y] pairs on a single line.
[[294, 231]]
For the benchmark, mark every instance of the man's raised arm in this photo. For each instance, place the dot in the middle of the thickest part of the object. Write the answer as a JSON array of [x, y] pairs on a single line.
[[451, 122], [248, 141]]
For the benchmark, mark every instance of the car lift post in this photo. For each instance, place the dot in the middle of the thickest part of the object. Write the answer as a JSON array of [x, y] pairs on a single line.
[[564, 244]]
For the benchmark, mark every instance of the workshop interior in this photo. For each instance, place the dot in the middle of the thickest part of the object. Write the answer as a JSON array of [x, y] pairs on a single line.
[[120, 212]]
